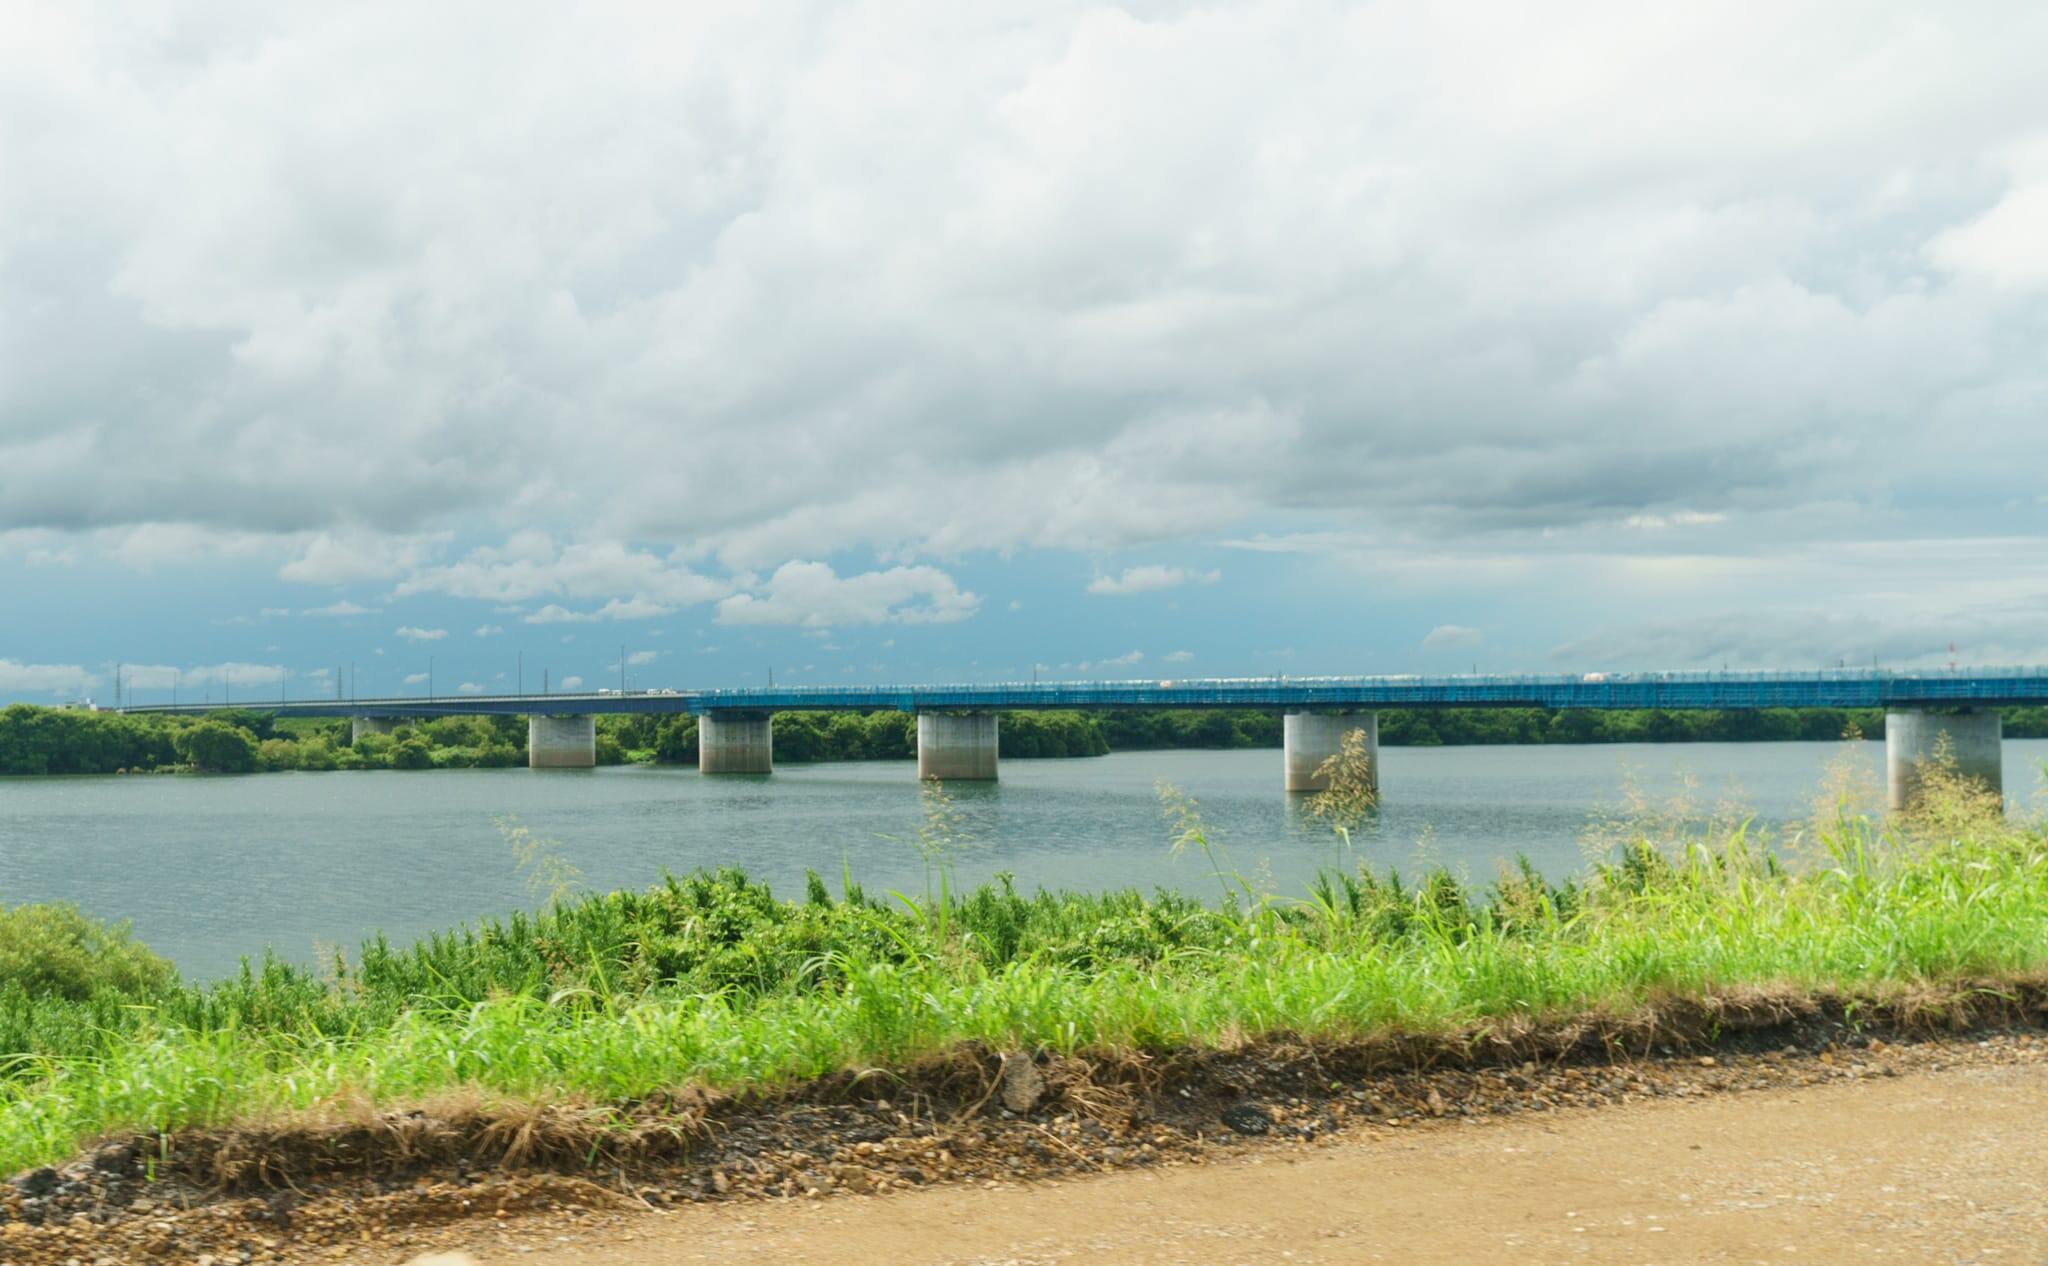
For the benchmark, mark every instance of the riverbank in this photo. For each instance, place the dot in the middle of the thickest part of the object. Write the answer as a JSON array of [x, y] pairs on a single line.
[[1831, 1138], [601, 1034]]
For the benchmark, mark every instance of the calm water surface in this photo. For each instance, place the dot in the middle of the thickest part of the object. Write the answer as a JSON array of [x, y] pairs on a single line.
[[212, 868]]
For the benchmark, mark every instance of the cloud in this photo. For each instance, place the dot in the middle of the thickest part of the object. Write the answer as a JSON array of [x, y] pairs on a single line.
[[330, 558], [1064, 317], [489, 630], [2003, 245], [640, 658], [1149, 578], [1179, 657], [257, 680], [341, 608], [1125, 660], [572, 683], [415, 679], [413, 634], [146, 676], [1462, 297], [1445, 636], [469, 688], [633, 609], [815, 596], [531, 565], [554, 613], [56, 679], [1675, 519]]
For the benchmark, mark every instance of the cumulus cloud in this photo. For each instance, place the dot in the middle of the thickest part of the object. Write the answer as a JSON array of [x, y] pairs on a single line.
[[231, 676], [1457, 278], [331, 558], [2003, 246], [636, 608], [342, 608], [489, 630], [1149, 578], [413, 634], [56, 679], [555, 613], [1451, 635], [1179, 657], [415, 679], [469, 688], [572, 683], [815, 596], [640, 658], [1461, 305], [532, 565], [149, 676]]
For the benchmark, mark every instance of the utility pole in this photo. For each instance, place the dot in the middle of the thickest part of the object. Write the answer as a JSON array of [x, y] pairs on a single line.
[[622, 670], [543, 681]]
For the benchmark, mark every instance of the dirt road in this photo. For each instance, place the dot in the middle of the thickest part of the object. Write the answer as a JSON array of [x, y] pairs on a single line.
[[1942, 1166]]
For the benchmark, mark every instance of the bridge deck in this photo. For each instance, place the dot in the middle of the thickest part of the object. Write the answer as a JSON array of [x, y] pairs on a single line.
[[1845, 688]]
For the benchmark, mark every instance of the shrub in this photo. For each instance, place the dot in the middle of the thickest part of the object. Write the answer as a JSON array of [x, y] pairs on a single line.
[[54, 951], [273, 754], [218, 748], [412, 753]]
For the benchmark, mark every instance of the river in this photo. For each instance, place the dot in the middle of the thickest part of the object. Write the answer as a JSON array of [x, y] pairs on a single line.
[[209, 869]]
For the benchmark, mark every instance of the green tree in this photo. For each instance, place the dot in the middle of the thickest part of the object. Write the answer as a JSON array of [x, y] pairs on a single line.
[[218, 748], [675, 743]]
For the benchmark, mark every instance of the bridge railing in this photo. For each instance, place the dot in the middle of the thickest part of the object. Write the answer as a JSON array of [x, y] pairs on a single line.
[[1834, 687]]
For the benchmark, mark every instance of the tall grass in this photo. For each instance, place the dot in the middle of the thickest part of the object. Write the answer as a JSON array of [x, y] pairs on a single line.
[[711, 979]]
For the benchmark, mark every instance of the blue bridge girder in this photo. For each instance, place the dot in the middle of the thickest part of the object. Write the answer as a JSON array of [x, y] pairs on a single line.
[[1837, 688]]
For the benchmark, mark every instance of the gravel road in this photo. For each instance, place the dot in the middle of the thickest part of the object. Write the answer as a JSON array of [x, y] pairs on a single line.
[[1947, 1164]]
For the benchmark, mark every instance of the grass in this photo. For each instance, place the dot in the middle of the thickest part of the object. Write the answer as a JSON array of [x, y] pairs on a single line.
[[711, 980]]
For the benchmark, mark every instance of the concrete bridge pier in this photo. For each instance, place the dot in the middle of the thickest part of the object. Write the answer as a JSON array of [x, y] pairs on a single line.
[[957, 746], [736, 743], [1913, 737], [561, 742], [359, 726], [1311, 738]]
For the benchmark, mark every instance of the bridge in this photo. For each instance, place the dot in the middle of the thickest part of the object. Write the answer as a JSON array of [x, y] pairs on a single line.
[[1925, 710]]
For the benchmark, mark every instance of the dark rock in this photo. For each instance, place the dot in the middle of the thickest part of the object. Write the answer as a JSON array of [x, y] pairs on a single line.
[[1247, 1118], [37, 1182]]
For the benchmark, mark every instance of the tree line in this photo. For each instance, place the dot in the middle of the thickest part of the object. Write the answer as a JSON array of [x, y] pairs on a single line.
[[37, 740]]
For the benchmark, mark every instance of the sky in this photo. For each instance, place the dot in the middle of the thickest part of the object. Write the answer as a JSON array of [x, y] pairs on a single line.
[[409, 348]]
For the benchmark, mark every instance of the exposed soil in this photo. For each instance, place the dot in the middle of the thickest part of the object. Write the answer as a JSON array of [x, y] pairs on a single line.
[[1927, 1167], [375, 1188]]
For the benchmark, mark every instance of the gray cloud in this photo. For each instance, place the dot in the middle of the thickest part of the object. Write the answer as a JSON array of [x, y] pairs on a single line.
[[1450, 281], [1445, 636]]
